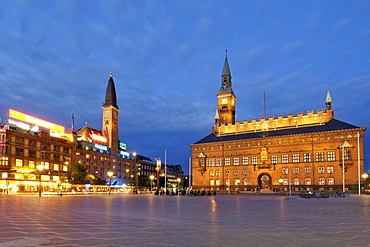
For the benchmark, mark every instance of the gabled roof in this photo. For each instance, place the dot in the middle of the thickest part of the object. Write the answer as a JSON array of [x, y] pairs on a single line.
[[332, 125]]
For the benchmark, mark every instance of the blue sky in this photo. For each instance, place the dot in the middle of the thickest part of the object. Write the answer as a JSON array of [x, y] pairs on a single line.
[[167, 59]]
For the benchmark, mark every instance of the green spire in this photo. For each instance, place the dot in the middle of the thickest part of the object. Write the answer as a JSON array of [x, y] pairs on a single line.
[[226, 85]]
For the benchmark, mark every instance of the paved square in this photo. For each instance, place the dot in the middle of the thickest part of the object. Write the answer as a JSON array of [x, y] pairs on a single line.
[[148, 220]]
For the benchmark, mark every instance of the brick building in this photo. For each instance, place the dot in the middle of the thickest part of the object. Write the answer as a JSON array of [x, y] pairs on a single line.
[[303, 151]]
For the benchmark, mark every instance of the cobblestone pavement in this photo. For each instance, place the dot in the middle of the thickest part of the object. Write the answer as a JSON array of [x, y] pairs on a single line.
[[148, 220]]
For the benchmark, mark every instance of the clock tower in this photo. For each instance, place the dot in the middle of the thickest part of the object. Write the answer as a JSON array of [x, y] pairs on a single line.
[[110, 116], [225, 98]]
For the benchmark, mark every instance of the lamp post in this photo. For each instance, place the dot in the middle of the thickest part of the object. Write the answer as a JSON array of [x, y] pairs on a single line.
[[281, 180], [40, 168], [237, 185], [178, 182], [110, 174], [151, 182], [365, 176], [345, 144]]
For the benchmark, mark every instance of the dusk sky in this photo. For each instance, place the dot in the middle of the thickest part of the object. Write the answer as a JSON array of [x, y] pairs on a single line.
[[167, 59]]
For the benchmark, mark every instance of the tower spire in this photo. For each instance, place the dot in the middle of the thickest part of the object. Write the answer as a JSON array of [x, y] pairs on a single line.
[[110, 93], [328, 104], [226, 85]]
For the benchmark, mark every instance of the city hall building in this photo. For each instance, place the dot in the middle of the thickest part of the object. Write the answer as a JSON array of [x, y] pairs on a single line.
[[294, 152]]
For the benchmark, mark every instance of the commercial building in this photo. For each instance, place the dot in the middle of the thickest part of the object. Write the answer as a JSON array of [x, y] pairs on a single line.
[[297, 152], [34, 151]]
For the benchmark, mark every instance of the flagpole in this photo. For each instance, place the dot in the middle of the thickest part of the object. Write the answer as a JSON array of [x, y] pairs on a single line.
[[165, 171], [358, 163], [190, 172]]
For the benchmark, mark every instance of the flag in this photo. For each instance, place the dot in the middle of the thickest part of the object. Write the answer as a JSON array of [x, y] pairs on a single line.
[[73, 121]]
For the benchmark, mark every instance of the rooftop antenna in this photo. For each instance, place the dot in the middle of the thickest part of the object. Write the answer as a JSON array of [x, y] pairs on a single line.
[[264, 104]]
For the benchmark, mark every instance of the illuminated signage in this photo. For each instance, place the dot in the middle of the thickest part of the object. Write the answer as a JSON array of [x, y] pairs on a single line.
[[64, 136], [35, 121], [124, 154], [101, 147], [123, 145], [20, 124], [96, 137]]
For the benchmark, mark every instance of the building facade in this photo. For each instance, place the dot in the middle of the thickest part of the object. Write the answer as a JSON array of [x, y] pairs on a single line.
[[298, 152], [34, 151]]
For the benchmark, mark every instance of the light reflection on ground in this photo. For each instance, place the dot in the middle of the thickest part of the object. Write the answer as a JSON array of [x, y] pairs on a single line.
[[148, 220]]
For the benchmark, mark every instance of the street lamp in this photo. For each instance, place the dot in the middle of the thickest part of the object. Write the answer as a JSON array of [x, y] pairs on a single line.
[[281, 180], [237, 185], [151, 182], [345, 144], [40, 168], [110, 174], [178, 182], [365, 176]]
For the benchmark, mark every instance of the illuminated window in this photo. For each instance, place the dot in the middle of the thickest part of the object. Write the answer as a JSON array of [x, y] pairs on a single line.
[[296, 181], [236, 161], [286, 181], [295, 158], [211, 162], [56, 167], [19, 176], [4, 161], [321, 181], [347, 154], [218, 182], [227, 182], [307, 170], [274, 159], [46, 165], [236, 172], [45, 177], [254, 160], [217, 173], [31, 164], [331, 156], [4, 175], [285, 171], [212, 182], [211, 173], [201, 161], [330, 169], [307, 181], [218, 162], [18, 162], [330, 181], [307, 157], [227, 161], [236, 181], [245, 181], [320, 157], [284, 158], [321, 169], [245, 161], [55, 178], [65, 168], [295, 170]]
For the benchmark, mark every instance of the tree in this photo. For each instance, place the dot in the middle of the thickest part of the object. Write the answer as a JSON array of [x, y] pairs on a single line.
[[79, 175]]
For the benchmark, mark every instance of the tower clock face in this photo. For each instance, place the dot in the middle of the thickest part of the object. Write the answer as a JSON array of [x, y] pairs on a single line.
[[224, 101], [106, 114]]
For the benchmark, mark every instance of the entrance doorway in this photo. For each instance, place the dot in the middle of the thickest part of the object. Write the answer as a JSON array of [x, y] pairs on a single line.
[[264, 181]]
